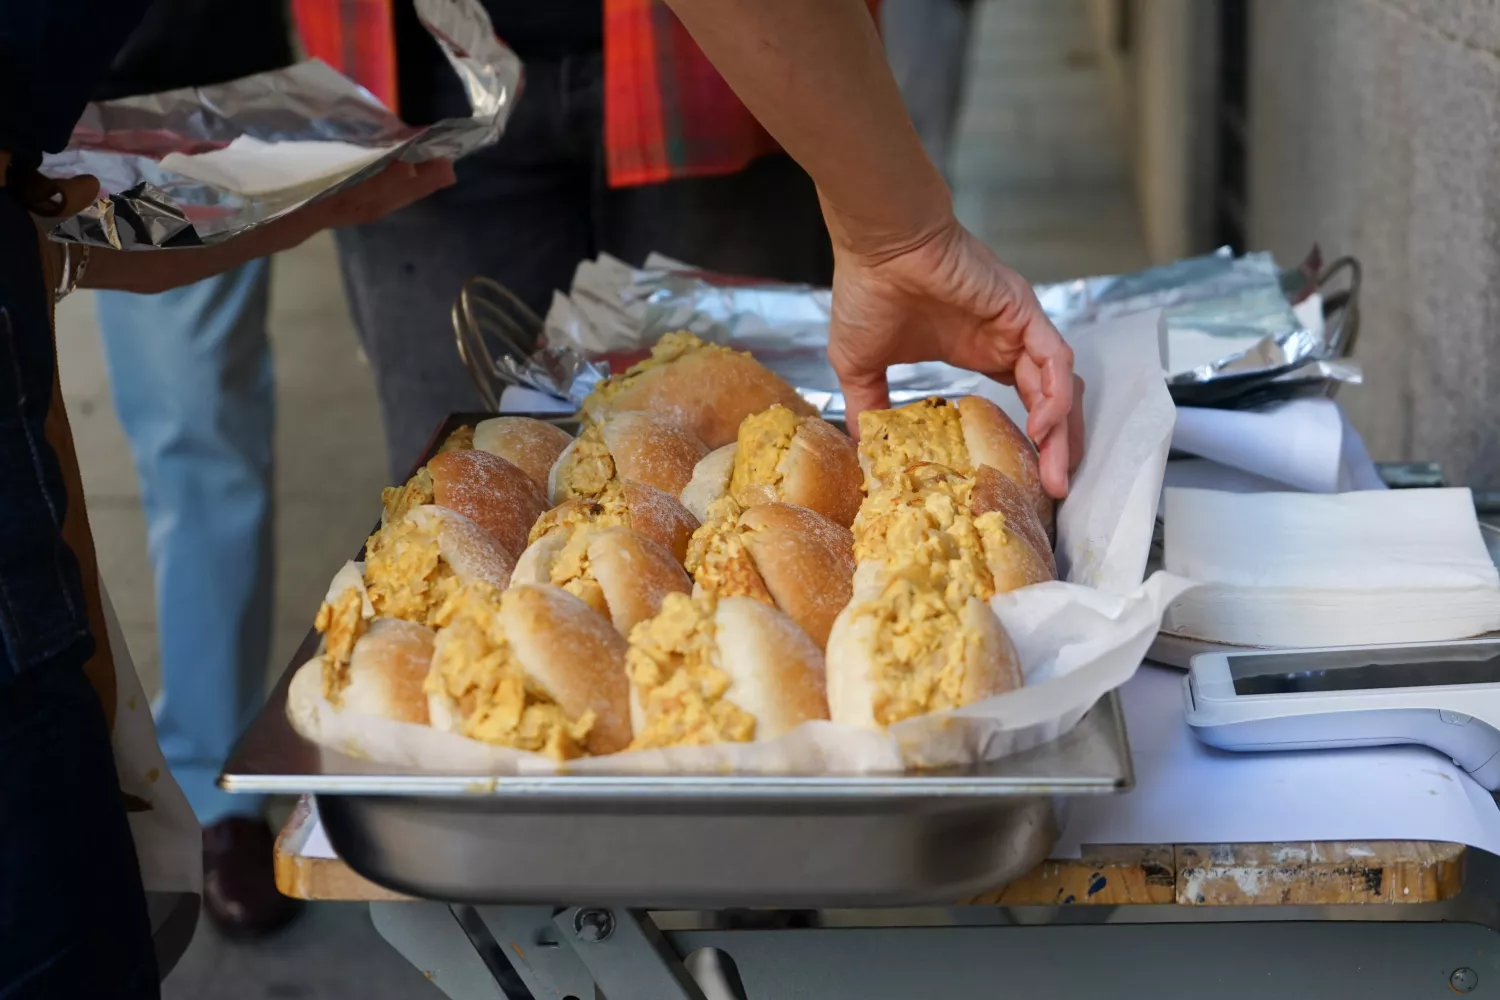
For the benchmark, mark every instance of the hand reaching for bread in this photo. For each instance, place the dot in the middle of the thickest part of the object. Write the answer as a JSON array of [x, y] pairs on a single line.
[[947, 298]]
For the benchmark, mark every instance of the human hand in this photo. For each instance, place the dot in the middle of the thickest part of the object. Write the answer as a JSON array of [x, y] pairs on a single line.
[[393, 188], [946, 297]]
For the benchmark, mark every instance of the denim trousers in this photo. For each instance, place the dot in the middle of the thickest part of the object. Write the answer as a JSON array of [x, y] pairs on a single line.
[[525, 212], [191, 374]]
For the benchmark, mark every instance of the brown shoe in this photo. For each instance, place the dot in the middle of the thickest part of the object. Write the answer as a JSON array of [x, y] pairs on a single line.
[[239, 880]]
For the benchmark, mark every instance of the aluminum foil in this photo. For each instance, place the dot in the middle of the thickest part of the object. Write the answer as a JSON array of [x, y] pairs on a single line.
[[1225, 316], [146, 207]]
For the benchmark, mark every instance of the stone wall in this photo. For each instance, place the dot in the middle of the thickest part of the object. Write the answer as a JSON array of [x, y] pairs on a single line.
[[1375, 130]]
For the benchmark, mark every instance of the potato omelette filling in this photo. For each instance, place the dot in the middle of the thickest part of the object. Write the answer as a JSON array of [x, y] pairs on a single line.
[[894, 520], [607, 510], [666, 350], [589, 465], [406, 574], [342, 623], [928, 431], [673, 664], [718, 560], [460, 440], [399, 501], [919, 525], [763, 441], [572, 572], [475, 665]]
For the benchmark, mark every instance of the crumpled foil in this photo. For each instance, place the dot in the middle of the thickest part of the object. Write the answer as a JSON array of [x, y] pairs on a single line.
[[145, 207], [1226, 317]]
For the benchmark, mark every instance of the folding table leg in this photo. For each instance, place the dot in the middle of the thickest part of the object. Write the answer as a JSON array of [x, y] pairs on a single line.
[[431, 937]]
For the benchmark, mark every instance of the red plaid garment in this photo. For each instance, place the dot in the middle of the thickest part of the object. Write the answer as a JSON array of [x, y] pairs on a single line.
[[667, 112]]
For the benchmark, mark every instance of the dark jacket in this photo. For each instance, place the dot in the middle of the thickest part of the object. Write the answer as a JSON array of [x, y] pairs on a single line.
[[193, 43]]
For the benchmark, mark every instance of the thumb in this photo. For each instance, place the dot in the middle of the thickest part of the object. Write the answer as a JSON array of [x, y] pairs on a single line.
[[863, 391], [56, 198]]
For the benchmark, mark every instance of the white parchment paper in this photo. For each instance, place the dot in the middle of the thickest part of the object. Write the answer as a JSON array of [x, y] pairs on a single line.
[[1077, 638]]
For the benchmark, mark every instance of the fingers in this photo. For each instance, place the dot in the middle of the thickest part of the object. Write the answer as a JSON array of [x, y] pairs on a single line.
[[1054, 463], [864, 391], [1075, 425]]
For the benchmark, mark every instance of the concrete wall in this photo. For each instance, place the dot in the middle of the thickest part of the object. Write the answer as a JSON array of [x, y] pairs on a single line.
[[1375, 130], [1163, 90]]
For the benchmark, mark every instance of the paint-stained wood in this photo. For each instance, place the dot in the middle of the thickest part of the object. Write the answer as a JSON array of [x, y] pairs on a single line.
[[319, 879], [1313, 874], [1105, 876], [1302, 874]]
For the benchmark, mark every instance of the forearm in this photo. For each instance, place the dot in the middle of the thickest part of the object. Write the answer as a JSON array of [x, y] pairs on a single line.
[[815, 75], [151, 271]]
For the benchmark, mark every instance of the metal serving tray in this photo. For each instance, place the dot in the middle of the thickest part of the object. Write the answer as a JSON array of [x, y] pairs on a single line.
[[689, 841]]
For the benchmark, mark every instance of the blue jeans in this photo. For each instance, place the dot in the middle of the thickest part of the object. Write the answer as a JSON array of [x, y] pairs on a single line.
[[191, 374]]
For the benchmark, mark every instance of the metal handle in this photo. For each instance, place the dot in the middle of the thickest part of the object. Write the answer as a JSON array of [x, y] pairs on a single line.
[[501, 341]]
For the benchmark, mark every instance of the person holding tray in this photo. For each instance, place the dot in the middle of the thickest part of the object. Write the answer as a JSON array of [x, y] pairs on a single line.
[[909, 284]]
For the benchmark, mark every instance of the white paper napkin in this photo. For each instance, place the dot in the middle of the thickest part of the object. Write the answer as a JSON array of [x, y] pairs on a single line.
[[1302, 569]]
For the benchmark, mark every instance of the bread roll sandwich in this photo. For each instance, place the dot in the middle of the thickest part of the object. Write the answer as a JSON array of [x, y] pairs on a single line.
[[726, 671], [641, 508], [626, 447], [529, 444], [918, 635], [382, 677], [484, 488], [790, 558], [705, 388], [931, 497], [963, 436], [780, 455], [619, 573], [533, 668], [413, 566], [345, 614]]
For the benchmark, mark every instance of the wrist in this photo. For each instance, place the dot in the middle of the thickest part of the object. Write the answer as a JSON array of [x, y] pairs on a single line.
[[922, 213]]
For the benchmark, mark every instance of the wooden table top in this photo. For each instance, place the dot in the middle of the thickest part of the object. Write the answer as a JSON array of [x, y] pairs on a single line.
[[1300, 874]]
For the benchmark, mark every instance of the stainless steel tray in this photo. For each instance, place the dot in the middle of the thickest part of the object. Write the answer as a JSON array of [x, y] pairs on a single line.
[[689, 841]]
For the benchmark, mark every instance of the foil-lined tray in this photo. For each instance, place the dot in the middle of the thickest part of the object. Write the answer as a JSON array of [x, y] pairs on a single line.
[[1234, 334], [230, 142]]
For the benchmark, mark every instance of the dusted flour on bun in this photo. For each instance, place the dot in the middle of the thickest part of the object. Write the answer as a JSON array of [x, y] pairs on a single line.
[[704, 388]]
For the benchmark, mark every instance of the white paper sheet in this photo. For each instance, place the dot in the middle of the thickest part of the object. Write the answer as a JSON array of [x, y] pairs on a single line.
[[1307, 444], [251, 166], [1187, 793]]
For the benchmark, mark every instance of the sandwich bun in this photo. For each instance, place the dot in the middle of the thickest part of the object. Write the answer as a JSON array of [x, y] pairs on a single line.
[[710, 481], [620, 573], [962, 436], [705, 388], [412, 566], [732, 670], [529, 444], [641, 508], [532, 668], [383, 678], [782, 456], [631, 447], [871, 686], [994, 440], [791, 558], [489, 491]]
